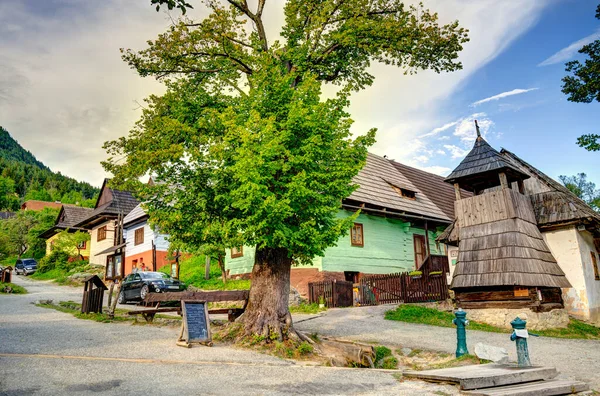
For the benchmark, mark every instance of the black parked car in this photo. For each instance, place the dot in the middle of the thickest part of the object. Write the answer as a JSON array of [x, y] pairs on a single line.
[[137, 285], [25, 266]]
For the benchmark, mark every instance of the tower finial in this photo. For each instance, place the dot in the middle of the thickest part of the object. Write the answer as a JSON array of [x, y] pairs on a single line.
[[477, 128]]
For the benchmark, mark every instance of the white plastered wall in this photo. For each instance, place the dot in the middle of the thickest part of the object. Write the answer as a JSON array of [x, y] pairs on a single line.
[[587, 248], [571, 249]]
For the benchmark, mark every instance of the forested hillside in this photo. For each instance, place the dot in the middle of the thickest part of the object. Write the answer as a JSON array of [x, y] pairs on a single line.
[[23, 177]]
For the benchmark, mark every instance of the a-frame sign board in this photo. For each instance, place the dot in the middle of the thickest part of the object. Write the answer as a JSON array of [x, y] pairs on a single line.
[[195, 326]]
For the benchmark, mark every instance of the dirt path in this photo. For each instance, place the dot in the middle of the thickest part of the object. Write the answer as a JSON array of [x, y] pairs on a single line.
[[576, 359]]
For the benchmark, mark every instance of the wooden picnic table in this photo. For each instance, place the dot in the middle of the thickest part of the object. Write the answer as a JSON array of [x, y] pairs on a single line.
[[153, 302]]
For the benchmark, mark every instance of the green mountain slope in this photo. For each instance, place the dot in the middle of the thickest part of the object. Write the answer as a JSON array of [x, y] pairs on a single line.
[[23, 177], [10, 149]]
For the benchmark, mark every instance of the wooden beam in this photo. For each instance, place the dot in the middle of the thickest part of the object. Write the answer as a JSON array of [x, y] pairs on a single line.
[[503, 180], [427, 239], [457, 191]]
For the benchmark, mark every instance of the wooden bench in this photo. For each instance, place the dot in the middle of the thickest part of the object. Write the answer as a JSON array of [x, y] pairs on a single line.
[[154, 300]]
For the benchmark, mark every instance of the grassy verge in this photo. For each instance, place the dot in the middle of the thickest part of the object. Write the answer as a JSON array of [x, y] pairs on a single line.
[[74, 309], [16, 289], [306, 308], [57, 275], [191, 271], [433, 317]]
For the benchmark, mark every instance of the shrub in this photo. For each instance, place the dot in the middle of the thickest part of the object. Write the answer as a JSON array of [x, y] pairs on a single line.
[[55, 260]]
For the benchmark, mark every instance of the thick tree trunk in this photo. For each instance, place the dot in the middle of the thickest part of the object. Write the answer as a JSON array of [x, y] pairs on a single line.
[[267, 313]]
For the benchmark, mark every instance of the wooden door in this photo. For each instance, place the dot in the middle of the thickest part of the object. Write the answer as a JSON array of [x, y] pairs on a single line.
[[420, 250]]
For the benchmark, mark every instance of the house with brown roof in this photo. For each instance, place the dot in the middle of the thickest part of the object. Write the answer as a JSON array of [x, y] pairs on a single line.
[[35, 205], [401, 214], [523, 239], [102, 223], [67, 218]]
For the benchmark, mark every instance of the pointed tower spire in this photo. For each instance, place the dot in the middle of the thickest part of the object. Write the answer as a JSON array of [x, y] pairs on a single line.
[[477, 128]]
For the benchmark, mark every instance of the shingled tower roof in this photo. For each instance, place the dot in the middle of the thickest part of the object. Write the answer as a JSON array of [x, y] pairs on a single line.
[[481, 166]]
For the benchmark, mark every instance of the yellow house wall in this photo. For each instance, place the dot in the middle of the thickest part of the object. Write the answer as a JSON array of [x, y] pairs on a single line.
[[84, 252]]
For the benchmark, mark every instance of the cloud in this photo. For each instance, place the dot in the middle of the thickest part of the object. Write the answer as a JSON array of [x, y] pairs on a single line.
[[517, 91], [569, 52], [438, 130], [456, 151], [438, 170], [465, 130], [71, 92]]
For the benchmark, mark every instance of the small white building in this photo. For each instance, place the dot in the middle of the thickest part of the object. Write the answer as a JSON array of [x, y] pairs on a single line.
[[145, 248]]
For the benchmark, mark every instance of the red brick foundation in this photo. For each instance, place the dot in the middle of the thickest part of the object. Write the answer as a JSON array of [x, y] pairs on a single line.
[[301, 277]]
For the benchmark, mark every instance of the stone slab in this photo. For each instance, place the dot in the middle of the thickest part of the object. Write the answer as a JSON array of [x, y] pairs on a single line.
[[485, 375], [539, 388]]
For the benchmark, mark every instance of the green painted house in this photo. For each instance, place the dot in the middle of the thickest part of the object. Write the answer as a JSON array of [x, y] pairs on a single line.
[[403, 210]]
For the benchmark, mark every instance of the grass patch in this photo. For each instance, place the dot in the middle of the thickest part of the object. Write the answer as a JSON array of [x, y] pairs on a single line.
[[16, 289], [575, 329], [306, 308], [57, 275], [433, 317], [430, 316], [191, 272], [384, 358], [73, 308]]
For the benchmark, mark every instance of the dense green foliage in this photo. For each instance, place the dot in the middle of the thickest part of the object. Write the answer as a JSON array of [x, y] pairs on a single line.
[[19, 234], [260, 159], [245, 148], [583, 84], [12, 151], [191, 272], [23, 177], [586, 190], [70, 242]]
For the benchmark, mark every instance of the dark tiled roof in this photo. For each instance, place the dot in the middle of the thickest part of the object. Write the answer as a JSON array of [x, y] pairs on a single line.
[[377, 180], [440, 193], [67, 218], [122, 202], [559, 205], [482, 161], [71, 215]]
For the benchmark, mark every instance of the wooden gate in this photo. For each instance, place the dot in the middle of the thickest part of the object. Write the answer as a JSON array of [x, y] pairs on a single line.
[[430, 285], [335, 293]]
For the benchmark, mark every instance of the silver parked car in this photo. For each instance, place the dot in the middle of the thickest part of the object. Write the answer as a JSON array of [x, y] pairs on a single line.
[[25, 266]]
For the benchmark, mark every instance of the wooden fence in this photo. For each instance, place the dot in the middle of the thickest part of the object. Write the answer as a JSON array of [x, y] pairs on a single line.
[[335, 293], [401, 288]]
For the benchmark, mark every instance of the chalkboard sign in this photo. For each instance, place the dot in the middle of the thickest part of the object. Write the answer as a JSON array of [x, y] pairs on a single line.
[[196, 326]]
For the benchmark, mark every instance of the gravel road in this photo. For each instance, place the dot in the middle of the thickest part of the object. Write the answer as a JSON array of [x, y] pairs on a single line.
[[46, 352], [576, 359]]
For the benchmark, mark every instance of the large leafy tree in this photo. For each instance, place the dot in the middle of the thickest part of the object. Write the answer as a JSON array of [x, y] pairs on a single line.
[[244, 148], [584, 189], [583, 85]]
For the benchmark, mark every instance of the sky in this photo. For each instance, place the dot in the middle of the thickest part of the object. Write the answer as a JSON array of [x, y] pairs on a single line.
[[64, 89]]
